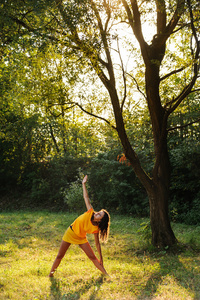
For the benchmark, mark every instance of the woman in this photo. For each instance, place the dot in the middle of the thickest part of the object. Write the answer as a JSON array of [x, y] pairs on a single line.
[[97, 223]]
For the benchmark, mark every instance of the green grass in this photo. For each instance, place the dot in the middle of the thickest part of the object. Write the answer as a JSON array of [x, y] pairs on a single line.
[[29, 242]]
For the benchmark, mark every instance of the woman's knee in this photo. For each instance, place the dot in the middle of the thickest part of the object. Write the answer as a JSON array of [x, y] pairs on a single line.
[[88, 251], [92, 257], [63, 248]]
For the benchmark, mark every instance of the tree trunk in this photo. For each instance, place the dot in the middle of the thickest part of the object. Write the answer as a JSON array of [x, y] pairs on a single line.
[[54, 139], [158, 194], [162, 233]]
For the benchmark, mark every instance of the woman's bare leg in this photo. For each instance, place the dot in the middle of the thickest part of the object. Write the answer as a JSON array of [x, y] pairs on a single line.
[[89, 252], [61, 253]]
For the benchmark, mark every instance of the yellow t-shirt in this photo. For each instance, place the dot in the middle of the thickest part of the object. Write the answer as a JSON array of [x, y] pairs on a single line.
[[83, 224]]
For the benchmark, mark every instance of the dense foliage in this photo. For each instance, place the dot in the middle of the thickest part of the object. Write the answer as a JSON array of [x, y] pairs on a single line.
[[55, 183]]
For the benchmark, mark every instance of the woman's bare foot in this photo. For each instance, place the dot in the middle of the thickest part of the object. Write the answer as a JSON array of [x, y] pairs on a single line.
[[51, 274]]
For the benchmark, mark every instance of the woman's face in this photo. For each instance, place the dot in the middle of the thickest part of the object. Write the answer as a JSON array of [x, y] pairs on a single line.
[[98, 216]]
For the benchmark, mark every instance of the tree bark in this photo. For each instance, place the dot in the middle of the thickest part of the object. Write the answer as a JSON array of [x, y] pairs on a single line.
[[54, 139], [162, 233]]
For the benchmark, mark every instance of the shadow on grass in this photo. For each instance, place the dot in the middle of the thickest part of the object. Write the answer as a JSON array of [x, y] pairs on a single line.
[[56, 290], [172, 267]]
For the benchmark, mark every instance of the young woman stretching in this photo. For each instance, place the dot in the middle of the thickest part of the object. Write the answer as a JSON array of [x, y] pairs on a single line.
[[97, 223]]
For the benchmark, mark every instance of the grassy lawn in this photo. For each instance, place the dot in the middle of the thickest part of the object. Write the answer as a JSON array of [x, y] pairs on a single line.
[[29, 242]]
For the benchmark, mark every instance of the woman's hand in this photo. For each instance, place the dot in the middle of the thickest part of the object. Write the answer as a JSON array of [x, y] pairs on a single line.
[[84, 179]]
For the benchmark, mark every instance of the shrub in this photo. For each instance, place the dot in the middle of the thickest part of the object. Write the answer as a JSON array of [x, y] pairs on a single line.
[[73, 197], [185, 195]]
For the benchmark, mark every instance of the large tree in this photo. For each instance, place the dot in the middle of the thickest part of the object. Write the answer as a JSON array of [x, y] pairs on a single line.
[[88, 30]]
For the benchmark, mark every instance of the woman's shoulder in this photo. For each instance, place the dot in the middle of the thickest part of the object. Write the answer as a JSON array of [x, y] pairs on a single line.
[[90, 210]]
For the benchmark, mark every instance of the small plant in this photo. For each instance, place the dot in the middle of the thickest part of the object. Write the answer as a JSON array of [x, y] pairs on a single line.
[[174, 214], [145, 232], [73, 197]]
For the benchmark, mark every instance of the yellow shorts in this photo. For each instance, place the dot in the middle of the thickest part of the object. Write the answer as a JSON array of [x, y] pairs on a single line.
[[72, 238]]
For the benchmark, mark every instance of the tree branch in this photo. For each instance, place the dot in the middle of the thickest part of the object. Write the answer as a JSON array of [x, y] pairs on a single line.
[[196, 90], [60, 114], [106, 5], [175, 18], [103, 34], [161, 16], [32, 29], [185, 92], [129, 13], [124, 77], [188, 89], [183, 126], [82, 46], [96, 116], [172, 73], [194, 30], [137, 85]]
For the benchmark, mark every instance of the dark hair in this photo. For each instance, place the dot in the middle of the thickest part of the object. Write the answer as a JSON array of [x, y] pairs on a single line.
[[104, 226]]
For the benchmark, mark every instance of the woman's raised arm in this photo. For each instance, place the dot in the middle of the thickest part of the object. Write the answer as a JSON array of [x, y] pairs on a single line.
[[85, 194]]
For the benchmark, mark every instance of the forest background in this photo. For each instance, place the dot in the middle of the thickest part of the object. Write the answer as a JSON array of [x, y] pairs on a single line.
[[47, 142]]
